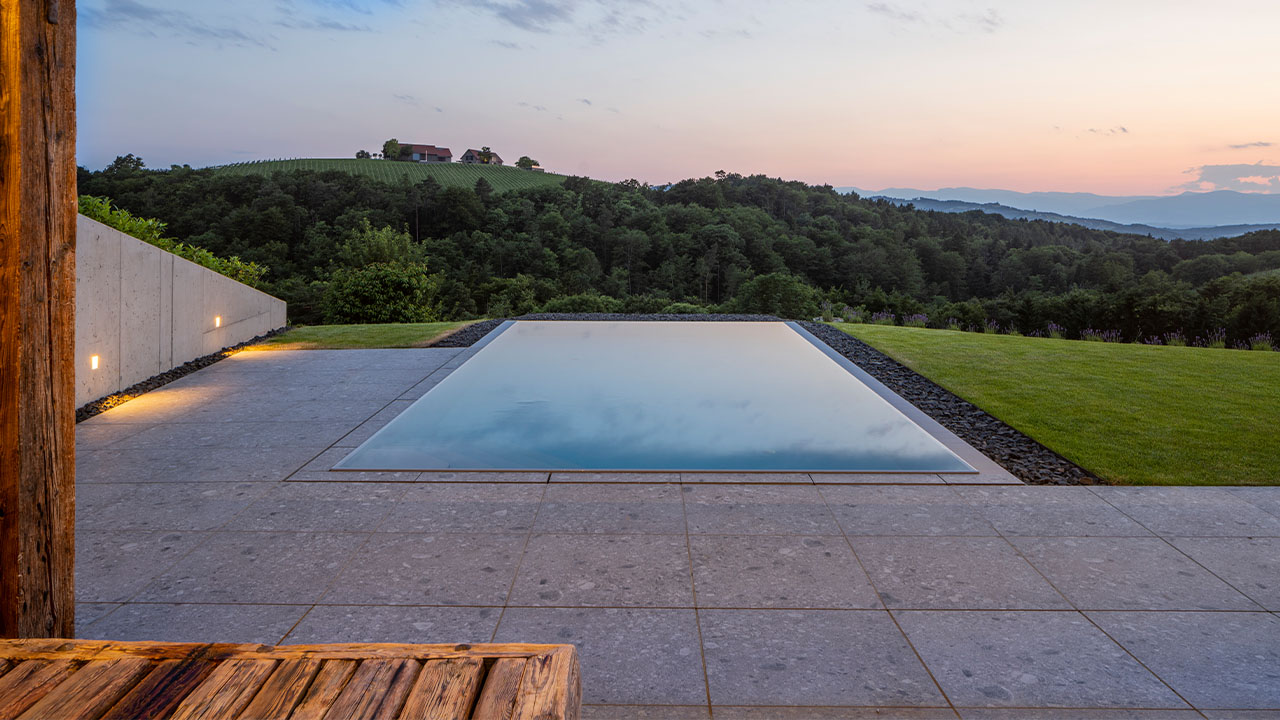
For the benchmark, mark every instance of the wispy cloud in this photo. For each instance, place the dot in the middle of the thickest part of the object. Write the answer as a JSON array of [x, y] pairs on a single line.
[[1246, 146], [364, 7], [154, 21], [407, 100], [538, 108], [596, 19], [585, 101], [1243, 177], [987, 21], [1111, 131], [506, 44]]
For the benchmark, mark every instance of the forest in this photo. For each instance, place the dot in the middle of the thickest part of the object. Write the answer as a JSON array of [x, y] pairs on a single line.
[[344, 248]]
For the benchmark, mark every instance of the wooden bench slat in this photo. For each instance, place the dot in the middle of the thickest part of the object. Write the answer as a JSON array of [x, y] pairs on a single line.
[[377, 690], [501, 685], [283, 690], [30, 680], [551, 687], [227, 690], [157, 694], [89, 691], [4, 666], [445, 689], [333, 676]]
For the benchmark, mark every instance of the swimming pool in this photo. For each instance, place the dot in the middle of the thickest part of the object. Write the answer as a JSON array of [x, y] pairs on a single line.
[[653, 396]]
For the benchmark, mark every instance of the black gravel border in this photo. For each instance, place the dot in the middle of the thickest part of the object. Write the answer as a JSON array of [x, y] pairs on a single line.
[[467, 336], [104, 404], [652, 317], [1027, 459]]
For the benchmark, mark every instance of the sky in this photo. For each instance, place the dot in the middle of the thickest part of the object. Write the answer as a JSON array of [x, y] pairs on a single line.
[[1119, 97]]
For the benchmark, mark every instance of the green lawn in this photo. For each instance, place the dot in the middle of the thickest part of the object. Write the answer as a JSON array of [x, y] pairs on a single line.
[[347, 337], [501, 177], [1133, 414]]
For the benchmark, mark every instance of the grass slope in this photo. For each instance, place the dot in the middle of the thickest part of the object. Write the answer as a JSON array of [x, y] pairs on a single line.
[[348, 337], [502, 178], [1133, 414]]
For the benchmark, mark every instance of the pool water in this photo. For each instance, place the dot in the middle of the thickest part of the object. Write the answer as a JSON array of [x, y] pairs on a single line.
[[691, 396]]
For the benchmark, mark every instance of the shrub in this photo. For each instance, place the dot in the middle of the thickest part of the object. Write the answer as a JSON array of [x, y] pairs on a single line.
[[1175, 339], [918, 320], [1056, 331], [683, 308], [151, 231], [1261, 341], [644, 304], [778, 294], [953, 324], [384, 292], [882, 318], [1216, 339], [583, 303], [853, 315], [1091, 335]]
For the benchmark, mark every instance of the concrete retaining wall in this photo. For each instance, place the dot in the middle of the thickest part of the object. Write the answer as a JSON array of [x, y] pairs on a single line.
[[143, 311]]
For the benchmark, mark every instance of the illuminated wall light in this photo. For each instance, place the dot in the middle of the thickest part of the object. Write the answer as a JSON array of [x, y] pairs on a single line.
[[217, 321], [93, 362]]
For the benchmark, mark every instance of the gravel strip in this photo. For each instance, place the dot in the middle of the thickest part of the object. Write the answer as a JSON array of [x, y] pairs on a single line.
[[1027, 459], [102, 405], [655, 317], [467, 336]]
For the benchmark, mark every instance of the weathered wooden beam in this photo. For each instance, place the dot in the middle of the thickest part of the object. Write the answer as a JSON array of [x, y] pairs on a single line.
[[37, 323]]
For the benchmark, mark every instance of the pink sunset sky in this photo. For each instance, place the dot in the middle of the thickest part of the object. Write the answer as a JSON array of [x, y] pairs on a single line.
[[1113, 97]]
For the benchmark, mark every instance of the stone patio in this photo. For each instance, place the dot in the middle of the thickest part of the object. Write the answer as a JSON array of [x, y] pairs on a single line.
[[206, 511]]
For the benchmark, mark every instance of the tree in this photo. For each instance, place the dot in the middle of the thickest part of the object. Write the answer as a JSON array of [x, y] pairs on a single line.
[[527, 163], [483, 190], [391, 149], [124, 164], [486, 155], [384, 292], [363, 155]]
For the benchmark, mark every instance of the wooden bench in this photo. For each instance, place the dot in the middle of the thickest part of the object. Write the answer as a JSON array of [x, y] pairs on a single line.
[[100, 680]]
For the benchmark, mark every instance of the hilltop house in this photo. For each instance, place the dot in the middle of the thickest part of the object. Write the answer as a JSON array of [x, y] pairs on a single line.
[[474, 157], [425, 153]]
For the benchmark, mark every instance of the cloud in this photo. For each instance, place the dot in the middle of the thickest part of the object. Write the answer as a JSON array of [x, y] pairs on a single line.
[[321, 23], [408, 100], [538, 108], [987, 21], [1242, 177], [585, 101], [1117, 130], [596, 19], [148, 19], [1246, 146], [507, 45], [532, 15], [364, 7]]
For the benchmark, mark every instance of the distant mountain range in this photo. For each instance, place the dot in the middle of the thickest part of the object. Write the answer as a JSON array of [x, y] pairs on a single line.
[[1189, 215]]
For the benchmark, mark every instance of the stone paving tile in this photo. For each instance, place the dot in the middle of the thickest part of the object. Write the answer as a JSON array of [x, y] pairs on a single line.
[[318, 435], [113, 566], [265, 624], [1192, 511], [1045, 511], [97, 436], [959, 573], [629, 656], [366, 429], [746, 477], [348, 411], [876, 479], [353, 476], [778, 571], [757, 509], [645, 712], [253, 567], [1267, 498], [634, 509], [807, 657], [724, 712], [981, 478], [1074, 714], [615, 477], [1128, 574], [402, 624], [605, 570], [423, 387], [438, 569], [1214, 660], [89, 613], [320, 507], [473, 476], [167, 404], [1242, 714], [1252, 565], [870, 510], [185, 464], [324, 461], [168, 506], [465, 507], [1030, 659]]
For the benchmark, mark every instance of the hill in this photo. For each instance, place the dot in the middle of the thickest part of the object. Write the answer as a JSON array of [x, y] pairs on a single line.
[[1187, 210], [502, 178], [1204, 233]]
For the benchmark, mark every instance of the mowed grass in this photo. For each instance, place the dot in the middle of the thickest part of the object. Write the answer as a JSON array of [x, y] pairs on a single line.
[[1132, 414], [349, 337], [502, 178]]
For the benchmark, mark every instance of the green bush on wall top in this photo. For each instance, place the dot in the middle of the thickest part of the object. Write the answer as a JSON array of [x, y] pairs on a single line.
[[382, 292], [151, 231], [584, 303]]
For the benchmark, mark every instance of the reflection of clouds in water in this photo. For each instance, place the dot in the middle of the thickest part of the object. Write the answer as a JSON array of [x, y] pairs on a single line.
[[653, 396]]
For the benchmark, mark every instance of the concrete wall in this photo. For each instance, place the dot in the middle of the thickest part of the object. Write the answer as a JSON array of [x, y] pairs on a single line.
[[143, 311]]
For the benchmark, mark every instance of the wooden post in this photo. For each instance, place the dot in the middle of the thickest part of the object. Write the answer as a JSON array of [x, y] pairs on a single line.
[[37, 317]]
